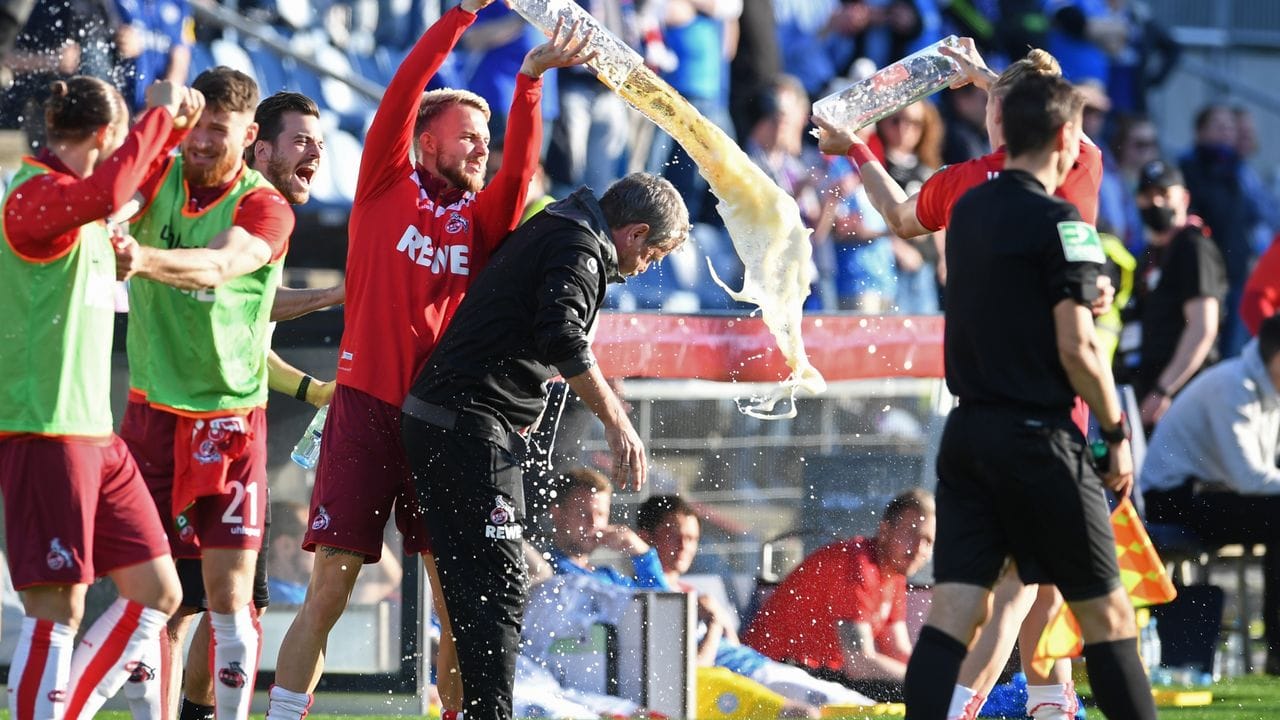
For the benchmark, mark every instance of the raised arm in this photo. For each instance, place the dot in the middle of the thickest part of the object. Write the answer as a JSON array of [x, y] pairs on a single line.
[[53, 205], [387, 144], [886, 195], [501, 204]]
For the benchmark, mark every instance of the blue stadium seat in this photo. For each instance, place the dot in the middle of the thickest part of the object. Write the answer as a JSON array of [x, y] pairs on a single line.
[[226, 52], [368, 67], [272, 75], [201, 59]]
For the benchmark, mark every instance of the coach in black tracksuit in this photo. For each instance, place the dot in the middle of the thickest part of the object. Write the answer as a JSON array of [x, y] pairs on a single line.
[[525, 320], [1014, 472]]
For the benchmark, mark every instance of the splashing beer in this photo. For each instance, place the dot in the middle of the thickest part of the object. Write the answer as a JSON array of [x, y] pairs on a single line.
[[763, 221]]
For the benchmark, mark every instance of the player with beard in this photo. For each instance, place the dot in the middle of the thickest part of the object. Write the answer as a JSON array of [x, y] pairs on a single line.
[[419, 234], [288, 152], [209, 254]]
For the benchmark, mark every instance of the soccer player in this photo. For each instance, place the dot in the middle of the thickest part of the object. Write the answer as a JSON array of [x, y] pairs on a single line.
[[288, 152], [419, 233], [929, 211], [210, 250], [76, 507]]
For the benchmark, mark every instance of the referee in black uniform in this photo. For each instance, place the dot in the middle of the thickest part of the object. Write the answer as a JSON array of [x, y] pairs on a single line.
[[1014, 473]]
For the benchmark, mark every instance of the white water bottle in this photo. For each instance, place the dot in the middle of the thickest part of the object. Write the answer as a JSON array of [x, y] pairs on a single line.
[[907, 81], [307, 451]]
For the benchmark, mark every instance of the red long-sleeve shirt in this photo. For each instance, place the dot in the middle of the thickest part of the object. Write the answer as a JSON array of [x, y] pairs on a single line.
[[414, 246], [941, 191], [42, 219]]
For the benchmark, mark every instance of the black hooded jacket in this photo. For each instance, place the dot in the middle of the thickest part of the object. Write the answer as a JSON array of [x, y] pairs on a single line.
[[525, 320]]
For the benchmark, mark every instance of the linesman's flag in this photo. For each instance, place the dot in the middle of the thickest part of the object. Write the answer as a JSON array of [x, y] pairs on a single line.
[[1141, 571]]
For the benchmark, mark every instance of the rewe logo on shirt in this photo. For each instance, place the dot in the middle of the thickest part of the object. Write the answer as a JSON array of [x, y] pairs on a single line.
[[440, 258]]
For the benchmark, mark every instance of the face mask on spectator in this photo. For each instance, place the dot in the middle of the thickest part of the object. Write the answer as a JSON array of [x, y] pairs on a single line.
[[1159, 219]]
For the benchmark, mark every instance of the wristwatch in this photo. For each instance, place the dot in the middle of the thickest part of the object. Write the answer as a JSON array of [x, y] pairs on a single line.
[[1117, 434]]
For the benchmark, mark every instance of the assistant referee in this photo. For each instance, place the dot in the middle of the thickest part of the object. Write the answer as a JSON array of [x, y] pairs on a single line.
[[1014, 473]]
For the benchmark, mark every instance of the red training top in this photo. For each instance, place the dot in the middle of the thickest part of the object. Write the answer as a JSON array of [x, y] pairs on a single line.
[[41, 222], [941, 191], [416, 245], [838, 582], [1261, 297]]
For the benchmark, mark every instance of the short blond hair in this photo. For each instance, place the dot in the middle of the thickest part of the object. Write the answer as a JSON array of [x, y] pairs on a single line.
[[1036, 62], [435, 102]]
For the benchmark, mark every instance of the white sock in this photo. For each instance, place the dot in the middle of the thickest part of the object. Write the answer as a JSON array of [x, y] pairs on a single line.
[[287, 704], [144, 688], [40, 670], [235, 641], [965, 704], [109, 653], [1051, 702]]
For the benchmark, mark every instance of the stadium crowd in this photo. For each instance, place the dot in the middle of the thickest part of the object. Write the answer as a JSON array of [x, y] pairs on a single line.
[[1182, 232]]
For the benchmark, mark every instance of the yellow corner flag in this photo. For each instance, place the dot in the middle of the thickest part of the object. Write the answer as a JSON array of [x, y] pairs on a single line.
[[1141, 571]]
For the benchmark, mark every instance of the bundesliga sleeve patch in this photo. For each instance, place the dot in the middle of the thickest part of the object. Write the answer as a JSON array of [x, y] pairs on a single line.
[[1080, 242]]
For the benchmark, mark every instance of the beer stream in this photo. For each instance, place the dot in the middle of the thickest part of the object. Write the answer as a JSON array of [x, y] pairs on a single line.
[[763, 221]]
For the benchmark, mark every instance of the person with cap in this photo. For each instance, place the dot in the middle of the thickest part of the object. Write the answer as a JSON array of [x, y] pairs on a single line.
[[1172, 321]]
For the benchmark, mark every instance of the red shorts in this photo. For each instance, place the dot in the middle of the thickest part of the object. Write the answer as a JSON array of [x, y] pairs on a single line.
[[361, 476], [232, 520], [75, 509]]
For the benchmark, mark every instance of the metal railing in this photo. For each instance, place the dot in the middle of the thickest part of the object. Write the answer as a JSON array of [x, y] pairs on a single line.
[[276, 43]]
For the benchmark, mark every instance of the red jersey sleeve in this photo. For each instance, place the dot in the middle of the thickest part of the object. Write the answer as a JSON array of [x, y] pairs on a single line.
[[386, 146], [500, 205], [40, 222], [937, 195], [266, 215]]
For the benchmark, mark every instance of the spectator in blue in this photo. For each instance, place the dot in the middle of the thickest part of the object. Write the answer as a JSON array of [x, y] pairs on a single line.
[[1134, 143], [1144, 61], [1264, 202], [59, 39], [883, 31], [153, 42], [493, 50], [1214, 173], [802, 27], [579, 510], [694, 32], [589, 138], [1082, 36]]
